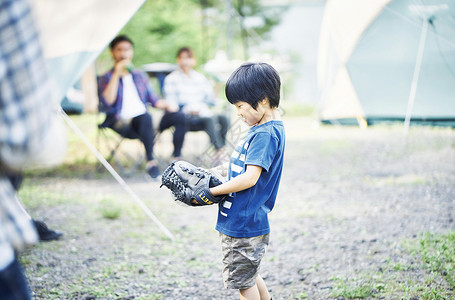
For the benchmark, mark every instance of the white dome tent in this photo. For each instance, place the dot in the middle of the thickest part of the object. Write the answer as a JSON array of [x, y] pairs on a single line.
[[74, 33], [387, 60]]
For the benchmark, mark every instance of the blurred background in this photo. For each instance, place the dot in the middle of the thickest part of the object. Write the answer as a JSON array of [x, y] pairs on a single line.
[[368, 210], [342, 62]]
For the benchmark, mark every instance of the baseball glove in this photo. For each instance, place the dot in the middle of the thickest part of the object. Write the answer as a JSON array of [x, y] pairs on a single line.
[[190, 184]]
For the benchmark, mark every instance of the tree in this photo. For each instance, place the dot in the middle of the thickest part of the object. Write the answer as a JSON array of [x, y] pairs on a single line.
[[161, 27], [255, 21]]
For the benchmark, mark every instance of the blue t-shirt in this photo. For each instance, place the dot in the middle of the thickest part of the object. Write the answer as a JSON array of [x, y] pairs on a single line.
[[244, 214]]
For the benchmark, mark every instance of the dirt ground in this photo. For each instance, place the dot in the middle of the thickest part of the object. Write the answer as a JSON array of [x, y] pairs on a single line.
[[347, 201]]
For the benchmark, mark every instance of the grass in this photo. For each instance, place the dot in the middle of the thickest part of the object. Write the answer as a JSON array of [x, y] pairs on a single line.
[[110, 208], [434, 257], [302, 295], [34, 196], [353, 290], [428, 275], [102, 272], [296, 109], [79, 160], [402, 180], [438, 255]]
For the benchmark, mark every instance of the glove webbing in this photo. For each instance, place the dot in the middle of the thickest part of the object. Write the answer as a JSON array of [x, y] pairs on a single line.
[[172, 180]]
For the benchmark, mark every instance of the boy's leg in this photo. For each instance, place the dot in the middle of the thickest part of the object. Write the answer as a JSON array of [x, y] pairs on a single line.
[[262, 287], [258, 291], [241, 259], [251, 293]]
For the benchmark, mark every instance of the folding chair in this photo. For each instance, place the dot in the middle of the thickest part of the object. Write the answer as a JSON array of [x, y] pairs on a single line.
[[125, 153]]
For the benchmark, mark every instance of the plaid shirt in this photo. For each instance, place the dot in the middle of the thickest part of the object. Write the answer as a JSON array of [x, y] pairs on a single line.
[[144, 89], [25, 115], [192, 92]]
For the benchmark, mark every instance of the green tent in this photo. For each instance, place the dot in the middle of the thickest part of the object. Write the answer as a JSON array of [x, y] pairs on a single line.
[[387, 60]]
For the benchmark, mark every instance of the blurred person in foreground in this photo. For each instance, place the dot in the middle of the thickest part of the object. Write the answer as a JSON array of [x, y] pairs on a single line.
[[45, 234], [30, 134], [125, 92], [195, 96]]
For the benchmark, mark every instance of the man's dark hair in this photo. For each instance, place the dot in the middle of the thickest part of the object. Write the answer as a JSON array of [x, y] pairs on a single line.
[[252, 82], [118, 39], [185, 49]]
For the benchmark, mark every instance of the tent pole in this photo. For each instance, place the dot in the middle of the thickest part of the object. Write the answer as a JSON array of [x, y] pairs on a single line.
[[415, 77], [117, 177]]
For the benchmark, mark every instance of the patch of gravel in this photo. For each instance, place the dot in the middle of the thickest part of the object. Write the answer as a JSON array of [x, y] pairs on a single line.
[[347, 201]]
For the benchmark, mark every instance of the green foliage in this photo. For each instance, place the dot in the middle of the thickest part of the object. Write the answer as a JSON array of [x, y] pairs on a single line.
[[110, 209], [36, 196], [438, 255], [302, 295], [349, 290], [160, 27], [253, 8]]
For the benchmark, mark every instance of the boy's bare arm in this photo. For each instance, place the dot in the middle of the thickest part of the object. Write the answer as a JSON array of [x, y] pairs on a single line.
[[222, 169], [239, 183]]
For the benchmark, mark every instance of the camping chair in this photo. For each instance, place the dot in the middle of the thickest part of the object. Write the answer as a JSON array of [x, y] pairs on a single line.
[[125, 152]]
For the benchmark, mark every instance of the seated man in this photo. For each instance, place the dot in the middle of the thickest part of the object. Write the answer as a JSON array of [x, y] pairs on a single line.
[[192, 92], [124, 93]]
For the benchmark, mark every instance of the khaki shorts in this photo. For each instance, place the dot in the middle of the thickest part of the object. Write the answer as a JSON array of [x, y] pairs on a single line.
[[241, 259]]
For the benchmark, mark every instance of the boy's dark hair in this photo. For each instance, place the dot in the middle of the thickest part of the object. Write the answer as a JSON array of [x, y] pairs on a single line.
[[185, 49], [252, 82], [118, 39]]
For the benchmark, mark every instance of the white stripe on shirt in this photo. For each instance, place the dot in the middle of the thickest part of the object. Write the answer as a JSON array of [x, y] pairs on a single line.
[[236, 168]]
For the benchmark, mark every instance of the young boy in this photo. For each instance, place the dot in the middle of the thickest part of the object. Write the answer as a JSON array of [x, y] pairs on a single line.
[[254, 175]]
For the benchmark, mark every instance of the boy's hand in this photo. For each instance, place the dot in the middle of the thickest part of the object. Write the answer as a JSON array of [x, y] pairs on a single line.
[[191, 185]]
